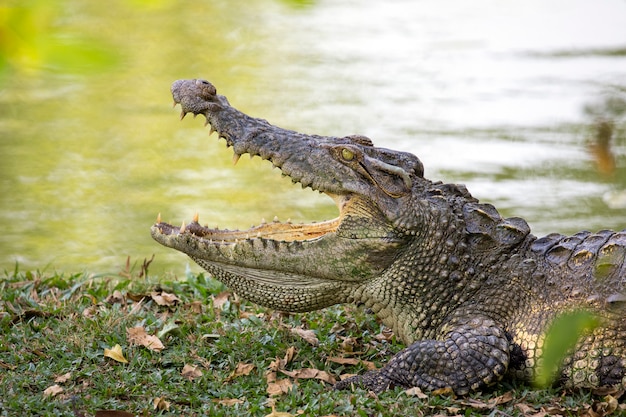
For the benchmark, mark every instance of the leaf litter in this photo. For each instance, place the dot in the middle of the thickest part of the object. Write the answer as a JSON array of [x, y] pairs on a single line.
[[281, 375]]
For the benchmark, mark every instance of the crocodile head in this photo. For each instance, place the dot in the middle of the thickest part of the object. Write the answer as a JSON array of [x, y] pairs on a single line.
[[303, 267]]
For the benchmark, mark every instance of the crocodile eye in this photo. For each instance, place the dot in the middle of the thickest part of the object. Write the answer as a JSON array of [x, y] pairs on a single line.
[[347, 154]]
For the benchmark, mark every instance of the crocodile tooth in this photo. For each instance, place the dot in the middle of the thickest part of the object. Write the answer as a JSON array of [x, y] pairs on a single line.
[[183, 114], [276, 219], [158, 218], [196, 217], [182, 228], [174, 104], [263, 221], [212, 129], [236, 158]]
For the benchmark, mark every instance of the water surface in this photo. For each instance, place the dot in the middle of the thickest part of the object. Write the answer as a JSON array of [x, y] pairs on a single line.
[[524, 103]]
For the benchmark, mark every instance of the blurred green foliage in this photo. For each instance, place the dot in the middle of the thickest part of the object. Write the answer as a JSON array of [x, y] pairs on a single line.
[[561, 337], [35, 35]]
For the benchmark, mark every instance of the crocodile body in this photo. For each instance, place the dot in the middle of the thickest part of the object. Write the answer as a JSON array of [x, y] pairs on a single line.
[[469, 292]]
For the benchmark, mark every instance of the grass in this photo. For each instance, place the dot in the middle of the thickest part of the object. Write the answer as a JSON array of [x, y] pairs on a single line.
[[221, 355]]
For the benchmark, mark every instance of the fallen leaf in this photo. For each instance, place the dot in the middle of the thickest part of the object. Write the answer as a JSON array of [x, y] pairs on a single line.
[[415, 392], [310, 373], [138, 336], [90, 311], [346, 376], [247, 315], [281, 386], [348, 344], [196, 307], [138, 306], [52, 391], [270, 376], [529, 411], [279, 364], [227, 401], [275, 413], [241, 370], [116, 354], [116, 298], [164, 299], [191, 372], [63, 378], [307, 335], [289, 355], [370, 366], [136, 297], [160, 404], [220, 299]]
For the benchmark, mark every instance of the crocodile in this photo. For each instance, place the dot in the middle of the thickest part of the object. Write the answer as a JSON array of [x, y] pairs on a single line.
[[470, 293]]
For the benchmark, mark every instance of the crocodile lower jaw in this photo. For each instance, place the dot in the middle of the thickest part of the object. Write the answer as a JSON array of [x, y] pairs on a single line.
[[274, 230]]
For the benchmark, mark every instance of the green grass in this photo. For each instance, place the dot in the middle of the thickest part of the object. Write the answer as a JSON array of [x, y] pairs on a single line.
[[54, 324]]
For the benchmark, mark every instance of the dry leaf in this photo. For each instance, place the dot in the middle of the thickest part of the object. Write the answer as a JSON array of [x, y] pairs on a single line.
[[63, 378], [196, 307], [279, 364], [241, 370], [191, 372], [370, 366], [164, 298], [248, 314], [116, 298], [138, 336], [116, 354], [270, 376], [136, 297], [275, 413], [346, 376], [90, 311], [160, 404], [52, 391], [289, 355], [492, 403], [307, 335], [227, 401], [416, 392], [281, 386], [348, 344], [310, 373], [221, 299]]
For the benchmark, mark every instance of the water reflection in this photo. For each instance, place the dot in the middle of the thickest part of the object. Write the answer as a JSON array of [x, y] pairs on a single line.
[[519, 101]]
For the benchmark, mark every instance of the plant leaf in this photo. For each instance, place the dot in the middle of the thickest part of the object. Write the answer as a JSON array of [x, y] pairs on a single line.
[[561, 337], [116, 354]]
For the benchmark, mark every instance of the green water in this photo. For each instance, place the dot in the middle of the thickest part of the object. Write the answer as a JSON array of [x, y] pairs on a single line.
[[506, 99]]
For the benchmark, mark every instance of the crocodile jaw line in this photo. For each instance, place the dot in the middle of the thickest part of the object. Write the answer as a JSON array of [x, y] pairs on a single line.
[[275, 230]]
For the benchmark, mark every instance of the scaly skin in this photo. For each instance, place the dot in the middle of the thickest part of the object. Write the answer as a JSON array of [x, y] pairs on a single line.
[[470, 293]]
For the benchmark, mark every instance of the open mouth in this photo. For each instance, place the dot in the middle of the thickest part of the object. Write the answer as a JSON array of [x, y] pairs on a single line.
[[274, 230], [199, 97]]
